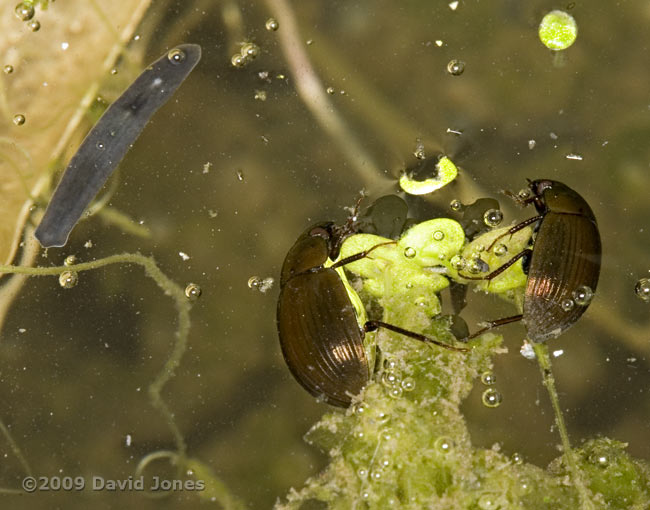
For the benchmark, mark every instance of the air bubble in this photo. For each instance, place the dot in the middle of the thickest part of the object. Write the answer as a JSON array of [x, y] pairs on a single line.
[[176, 56], [517, 458], [443, 444], [455, 205], [409, 252], [250, 50], [493, 217], [362, 473], [567, 304], [70, 260], [583, 295], [390, 379], [34, 25], [100, 146], [395, 392], [24, 11], [272, 24], [19, 119], [330, 90], [438, 235], [477, 266], [642, 289], [68, 279], [360, 408], [458, 262], [237, 60], [599, 459], [240, 175], [193, 291], [491, 398], [488, 378], [455, 67], [376, 475], [500, 250], [488, 502], [260, 284], [8, 69], [408, 384]]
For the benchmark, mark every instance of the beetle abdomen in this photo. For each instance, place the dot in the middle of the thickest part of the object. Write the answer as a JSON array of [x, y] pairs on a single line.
[[321, 340], [568, 259]]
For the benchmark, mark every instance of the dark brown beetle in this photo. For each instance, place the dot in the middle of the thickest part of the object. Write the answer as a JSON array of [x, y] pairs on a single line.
[[320, 335], [563, 265]]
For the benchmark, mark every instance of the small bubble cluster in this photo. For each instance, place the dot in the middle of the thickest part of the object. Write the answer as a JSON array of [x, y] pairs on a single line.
[[193, 291], [248, 52], [68, 279], [642, 289]]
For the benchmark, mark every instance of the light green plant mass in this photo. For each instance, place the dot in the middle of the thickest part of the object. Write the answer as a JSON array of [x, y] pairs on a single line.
[[404, 443]]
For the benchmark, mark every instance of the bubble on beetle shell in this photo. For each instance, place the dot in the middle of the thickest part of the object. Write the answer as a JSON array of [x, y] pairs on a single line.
[[193, 291], [488, 378], [583, 295], [567, 304], [409, 252], [491, 398], [455, 67], [493, 217], [68, 279], [642, 289]]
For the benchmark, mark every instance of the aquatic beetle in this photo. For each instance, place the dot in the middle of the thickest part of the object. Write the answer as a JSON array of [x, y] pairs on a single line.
[[109, 140], [563, 264], [321, 338]]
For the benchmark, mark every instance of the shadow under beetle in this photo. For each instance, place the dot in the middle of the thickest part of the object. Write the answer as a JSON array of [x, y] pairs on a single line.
[[320, 335], [562, 266]]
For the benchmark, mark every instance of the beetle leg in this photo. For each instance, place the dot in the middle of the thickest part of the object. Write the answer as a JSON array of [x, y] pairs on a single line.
[[491, 325], [500, 269], [516, 228], [374, 325], [359, 256]]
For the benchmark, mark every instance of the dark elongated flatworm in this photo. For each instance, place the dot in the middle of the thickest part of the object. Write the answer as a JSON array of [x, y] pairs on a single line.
[[107, 142]]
